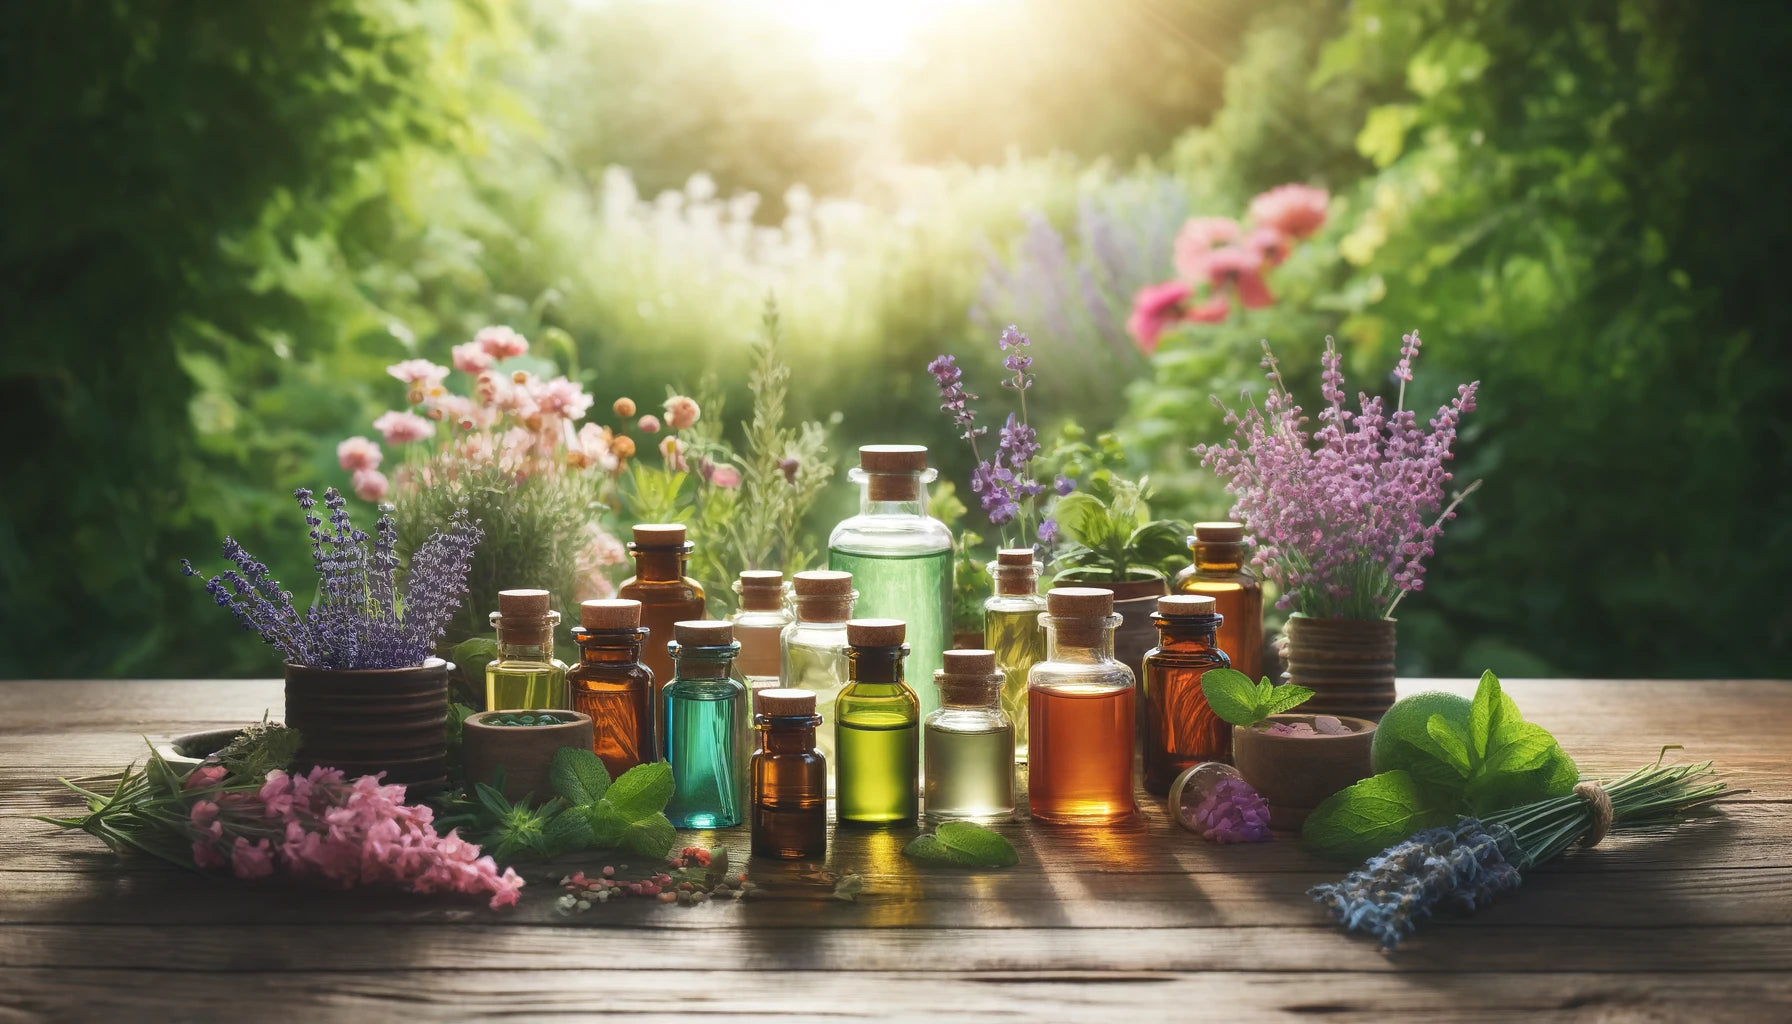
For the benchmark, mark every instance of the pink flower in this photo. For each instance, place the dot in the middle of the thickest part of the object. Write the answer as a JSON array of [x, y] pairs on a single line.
[[1294, 210], [206, 857], [1270, 244], [419, 373], [681, 412], [649, 424], [672, 450], [562, 397], [358, 453], [251, 860], [403, 427], [370, 484], [725, 476], [203, 814], [1196, 238], [472, 358], [205, 776], [1154, 309], [1213, 311], [593, 445], [1243, 268], [501, 342]]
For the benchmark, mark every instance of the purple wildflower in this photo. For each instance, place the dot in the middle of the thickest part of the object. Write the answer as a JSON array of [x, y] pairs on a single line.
[[1461, 867], [954, 398], [1232, 812], [1048, 532], [1063, 485], [1019, 441]]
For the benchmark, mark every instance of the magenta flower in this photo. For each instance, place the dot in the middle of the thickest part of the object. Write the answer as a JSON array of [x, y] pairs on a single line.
[[1241, 268], [1295, 210], [1197, 238], [1154, 310]]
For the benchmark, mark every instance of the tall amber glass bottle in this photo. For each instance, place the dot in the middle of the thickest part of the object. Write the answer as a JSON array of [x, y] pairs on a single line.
[[1081, 702], [790, 789], [877, 729], [1181, 731], [1220, 572], [1011, 629], [814, 647], [612, 685], [759, 625], [667, 596], [525, 674]]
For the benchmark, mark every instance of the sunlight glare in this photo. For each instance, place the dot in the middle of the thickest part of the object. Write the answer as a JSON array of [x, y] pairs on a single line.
[[860, 30]]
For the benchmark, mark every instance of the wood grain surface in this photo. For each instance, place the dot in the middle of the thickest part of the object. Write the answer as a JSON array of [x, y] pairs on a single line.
[[1143, 923]]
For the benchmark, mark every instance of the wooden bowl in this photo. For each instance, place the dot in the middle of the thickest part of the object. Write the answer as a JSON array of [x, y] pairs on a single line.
[[1294, 774], [525, 752]]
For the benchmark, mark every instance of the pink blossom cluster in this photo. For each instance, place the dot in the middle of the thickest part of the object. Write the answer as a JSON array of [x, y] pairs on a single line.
[[1220, 261], [1343, 518], [321, 828]]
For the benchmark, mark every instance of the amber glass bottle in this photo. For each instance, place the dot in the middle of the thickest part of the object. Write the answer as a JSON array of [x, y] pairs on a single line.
[[1081, 703], [877, 729], [1180, 729], [1011, 629], [525, 675], [667, 596], [1220, 572], [759, 625], [612, 685], [789, 778]]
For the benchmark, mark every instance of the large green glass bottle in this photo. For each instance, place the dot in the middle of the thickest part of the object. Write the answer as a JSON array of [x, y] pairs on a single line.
[[899, 557]]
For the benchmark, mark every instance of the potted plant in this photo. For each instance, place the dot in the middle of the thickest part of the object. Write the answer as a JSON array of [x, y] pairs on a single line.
[[1108, 539], [1295, 761], [1344, 518], [362, 687]]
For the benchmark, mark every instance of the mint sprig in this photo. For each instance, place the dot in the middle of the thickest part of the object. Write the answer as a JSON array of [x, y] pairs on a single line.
[[962, 844], [1233, 697], [627, 814]]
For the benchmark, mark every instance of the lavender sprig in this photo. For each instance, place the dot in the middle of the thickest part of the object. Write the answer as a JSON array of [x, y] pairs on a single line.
[[1004, 483]]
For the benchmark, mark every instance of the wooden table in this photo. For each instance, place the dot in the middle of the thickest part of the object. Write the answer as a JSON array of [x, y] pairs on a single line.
[[1144, 924]]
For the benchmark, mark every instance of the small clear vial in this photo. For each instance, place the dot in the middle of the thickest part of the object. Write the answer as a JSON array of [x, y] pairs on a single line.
[[759, 625], [969, 742], [706, 727], [814, 646]]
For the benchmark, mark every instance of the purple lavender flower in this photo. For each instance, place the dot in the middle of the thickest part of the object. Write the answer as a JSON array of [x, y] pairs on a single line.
[[1063, 485], [1048, 533], [1232, 812], [1012, 338], [1461, 867], [953, 396], [1018, 441]]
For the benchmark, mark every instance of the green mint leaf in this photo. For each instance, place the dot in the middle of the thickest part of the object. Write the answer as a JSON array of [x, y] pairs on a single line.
[[578, 775], [1083, 518], [1520, 748], [608, 827], [651, 836], [982, 845], [568, 830], [1263, 691], [1484, 714], [1231, 695], [1373, 815], [493, 800], [1450, 743], [927, 849], [642, 791], [1284, 698]]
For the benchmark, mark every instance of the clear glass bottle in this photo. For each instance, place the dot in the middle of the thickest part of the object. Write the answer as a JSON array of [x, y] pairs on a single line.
[[814, 646], [790, 790], [759, 626], [1081, 704], [1011, 629], [666, 594], [706, 727], [1181, 731], [611, 684], [1220, 571], [969, 742], [877, 729], [525, 674], [899, 557]]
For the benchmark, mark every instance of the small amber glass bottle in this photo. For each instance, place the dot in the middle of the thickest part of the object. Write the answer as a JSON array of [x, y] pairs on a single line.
[[1011, 629], [759, 625], [666, 594], [1220, 572], [969, 742], [612, 685], [525, 675], [877, 729], [790, 788], [1181, 731], [1082, 706]]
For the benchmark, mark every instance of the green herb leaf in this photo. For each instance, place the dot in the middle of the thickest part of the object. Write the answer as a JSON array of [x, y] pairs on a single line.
[[1231, 695], [569, 830], [651, 836], [492, 797], [1373, 815], [579, 775], [642, 791], [1083, 518], [962, 844], [1520, 748], [1283, 698], [1450, 743], [849, 886]]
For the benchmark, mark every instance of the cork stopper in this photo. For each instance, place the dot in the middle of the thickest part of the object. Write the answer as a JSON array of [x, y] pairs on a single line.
[[762, 590], [659, 535], [1016, 558], [893, 471], [823, 583], [1016, 572], [876, 632], [1219, 533], [970, 663], [776, 702], [1080, 603], [969, 679], [1182, 605], [613, 614], [524, 604], [703, 633]]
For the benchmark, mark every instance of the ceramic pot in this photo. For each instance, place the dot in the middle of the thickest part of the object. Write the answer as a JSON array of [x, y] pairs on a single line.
[[1294, 774], [364, 721], [525, 752], [1347, 663]]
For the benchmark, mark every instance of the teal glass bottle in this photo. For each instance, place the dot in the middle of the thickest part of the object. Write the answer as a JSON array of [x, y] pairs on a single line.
[[706, 727], [899, 557]]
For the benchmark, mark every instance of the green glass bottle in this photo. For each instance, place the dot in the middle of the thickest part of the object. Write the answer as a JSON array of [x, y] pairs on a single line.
[[706, 727], [877, 729], [525, 674], [899, 557], [1011, 629]]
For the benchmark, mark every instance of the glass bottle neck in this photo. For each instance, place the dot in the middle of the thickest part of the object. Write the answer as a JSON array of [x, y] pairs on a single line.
[[875, 664], [1194, 631], [892, 494], [533, 649], [1079, 640], [822, 611], [609, 646], [1213, 556], [1016, 582], [702, 662], [660, 565], [790, 734]]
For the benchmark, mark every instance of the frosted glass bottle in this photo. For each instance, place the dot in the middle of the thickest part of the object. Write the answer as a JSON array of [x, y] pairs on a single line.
[[1011, 629], [900, 558], [814, 647], [759, 626]]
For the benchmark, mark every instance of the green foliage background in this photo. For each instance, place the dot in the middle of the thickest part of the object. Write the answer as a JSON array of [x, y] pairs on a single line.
[[222, 221]]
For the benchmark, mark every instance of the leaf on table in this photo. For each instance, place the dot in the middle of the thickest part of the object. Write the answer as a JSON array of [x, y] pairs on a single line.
[[849, 886], [642, 791], [578, 775], [1374, 814], [961, 844], [1450, 742]]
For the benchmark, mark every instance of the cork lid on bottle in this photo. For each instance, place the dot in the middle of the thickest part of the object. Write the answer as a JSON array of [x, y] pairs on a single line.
[[823, 583], [893, 471], [1182, 605], [524, 604], [703, 633], [1080, 603], [659, 535], [761, 590], [1219, 533], [977, 663], [969, 679], [1016, 558], [876, 632], [777, 702], [619, 613]]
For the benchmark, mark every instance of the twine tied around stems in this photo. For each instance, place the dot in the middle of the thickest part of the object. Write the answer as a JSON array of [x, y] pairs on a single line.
[[1596, 798]]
